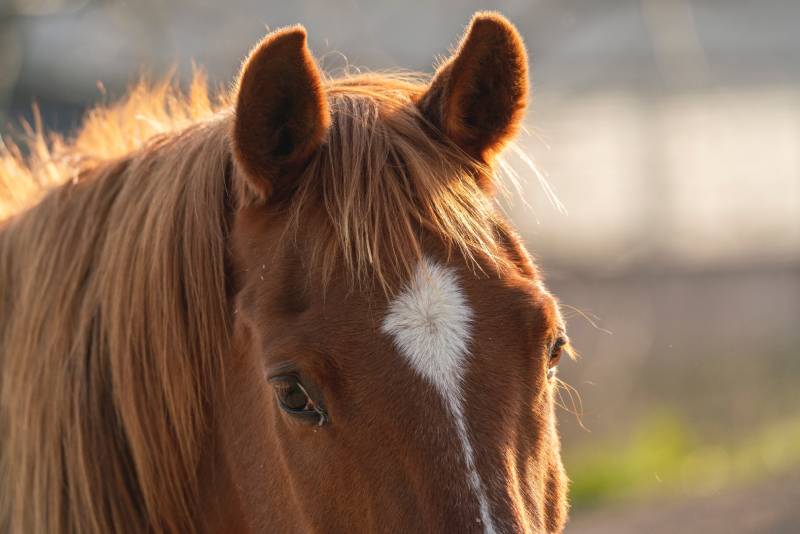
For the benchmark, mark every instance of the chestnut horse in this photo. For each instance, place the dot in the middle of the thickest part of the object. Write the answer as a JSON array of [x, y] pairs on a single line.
[[292, 309]]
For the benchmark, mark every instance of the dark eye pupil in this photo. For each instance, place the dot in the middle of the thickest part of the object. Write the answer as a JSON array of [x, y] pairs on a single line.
[[292, 396], [295, 400]]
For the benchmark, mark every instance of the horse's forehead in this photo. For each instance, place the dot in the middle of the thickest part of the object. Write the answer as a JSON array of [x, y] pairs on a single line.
[[432, 320], [431, 323]]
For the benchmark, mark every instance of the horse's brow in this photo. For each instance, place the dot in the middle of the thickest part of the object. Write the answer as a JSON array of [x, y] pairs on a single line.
[[550, 309], [560, 325]]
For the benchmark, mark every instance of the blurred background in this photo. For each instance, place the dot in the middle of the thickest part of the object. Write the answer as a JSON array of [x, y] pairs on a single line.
[[670, 132]]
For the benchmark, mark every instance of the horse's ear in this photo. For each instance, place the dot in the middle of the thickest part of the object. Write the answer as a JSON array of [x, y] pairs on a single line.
[[478, 96], [281, 111]]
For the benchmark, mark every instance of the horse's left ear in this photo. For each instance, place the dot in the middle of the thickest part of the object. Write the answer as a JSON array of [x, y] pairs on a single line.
[[282, 112], [478, 96]]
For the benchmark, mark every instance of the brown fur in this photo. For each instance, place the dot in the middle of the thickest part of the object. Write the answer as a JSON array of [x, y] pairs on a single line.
[[149, 284]]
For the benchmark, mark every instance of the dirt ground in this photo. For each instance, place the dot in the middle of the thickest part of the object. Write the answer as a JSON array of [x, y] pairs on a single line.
[[768, 507]]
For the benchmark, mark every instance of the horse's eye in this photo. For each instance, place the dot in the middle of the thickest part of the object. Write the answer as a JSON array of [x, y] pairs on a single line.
[[294, 399], [556, 350], [291, 395]]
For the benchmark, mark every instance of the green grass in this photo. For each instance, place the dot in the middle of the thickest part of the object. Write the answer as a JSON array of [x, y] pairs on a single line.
[[664, 455]]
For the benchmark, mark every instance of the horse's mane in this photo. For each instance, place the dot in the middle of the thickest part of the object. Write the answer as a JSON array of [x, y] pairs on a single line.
[[113, 316], [114, 306], [383, 176], [107, 132]]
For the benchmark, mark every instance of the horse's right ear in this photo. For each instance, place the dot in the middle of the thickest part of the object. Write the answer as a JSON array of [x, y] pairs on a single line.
[[281, 111]]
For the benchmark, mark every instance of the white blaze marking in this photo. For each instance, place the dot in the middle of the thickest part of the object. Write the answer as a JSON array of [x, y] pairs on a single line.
[[430, 322]]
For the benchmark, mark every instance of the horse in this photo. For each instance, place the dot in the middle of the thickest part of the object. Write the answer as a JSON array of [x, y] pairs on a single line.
[[292, 307]]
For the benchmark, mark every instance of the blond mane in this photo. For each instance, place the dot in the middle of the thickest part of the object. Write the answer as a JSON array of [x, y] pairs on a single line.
[[383, 177], [113, 317], [107, 132], [114, 313]]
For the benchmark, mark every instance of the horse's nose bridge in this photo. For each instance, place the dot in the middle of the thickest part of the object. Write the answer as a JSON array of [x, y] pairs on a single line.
[[456, 469], [445, 469], [491, 477], [520, 476], [490, 472], [505, 444]]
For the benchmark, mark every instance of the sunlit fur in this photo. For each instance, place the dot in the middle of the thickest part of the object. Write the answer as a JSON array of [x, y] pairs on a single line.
[[370, 224], [114, 319]]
